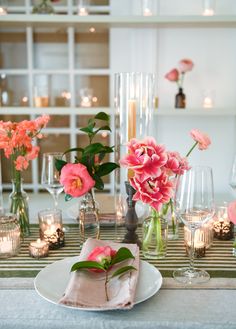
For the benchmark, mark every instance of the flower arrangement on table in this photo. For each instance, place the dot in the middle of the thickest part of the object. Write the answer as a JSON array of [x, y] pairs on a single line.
[[177, 75], [89, 168], [155, 170], [16, 140]]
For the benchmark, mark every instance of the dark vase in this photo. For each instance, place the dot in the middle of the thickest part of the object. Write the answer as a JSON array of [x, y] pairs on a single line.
[[180, 100]]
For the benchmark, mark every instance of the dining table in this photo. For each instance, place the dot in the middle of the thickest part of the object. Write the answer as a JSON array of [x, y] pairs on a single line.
[[174, 305]]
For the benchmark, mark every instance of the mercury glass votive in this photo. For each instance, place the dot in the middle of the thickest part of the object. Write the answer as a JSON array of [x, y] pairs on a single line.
[[222, 226], [38, 249], [9, 235], [50, 227]]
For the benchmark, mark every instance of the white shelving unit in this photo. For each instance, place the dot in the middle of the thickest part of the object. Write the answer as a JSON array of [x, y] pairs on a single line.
[[68, 27]]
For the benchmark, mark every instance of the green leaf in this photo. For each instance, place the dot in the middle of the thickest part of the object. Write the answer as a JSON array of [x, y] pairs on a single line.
[[94, 148], [102, 116], [59, 164], [106, 168], [122, 271], [68, 197], [102, 128], [87, 130], [98, 182], [121, 255], [75, 149], [86, 265]]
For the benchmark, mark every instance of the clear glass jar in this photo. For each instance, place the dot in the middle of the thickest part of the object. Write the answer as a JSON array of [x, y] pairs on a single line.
[[89, 217], [9, 235], [203, 236]]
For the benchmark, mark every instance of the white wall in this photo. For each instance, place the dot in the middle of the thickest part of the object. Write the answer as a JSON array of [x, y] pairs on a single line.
[[213, 51]]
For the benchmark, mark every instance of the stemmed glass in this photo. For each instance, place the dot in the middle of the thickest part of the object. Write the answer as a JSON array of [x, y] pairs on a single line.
[[194, 205], [232, 179], [50, 175]]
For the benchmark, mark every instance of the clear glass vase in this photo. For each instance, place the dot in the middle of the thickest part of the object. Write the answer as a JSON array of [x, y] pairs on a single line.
[[43, 7], [172, 220], [19, 205], [89, 217], [155, 236]]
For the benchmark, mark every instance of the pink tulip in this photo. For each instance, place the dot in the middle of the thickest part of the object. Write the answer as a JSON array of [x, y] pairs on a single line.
[[200, 137], [232, 212], [173, 75], [154, 192], [101, 255], [145, 158], [76, 179], [176, 163], [185, 65]]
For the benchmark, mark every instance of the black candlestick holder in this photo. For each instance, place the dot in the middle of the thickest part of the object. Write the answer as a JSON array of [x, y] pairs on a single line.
[[131, 218]]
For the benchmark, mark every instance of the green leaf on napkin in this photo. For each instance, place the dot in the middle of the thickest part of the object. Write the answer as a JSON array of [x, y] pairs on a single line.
[[86, 265], [123, 270], [121, 255]]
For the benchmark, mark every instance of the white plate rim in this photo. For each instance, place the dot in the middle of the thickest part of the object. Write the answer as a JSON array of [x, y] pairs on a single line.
[[141, 294]]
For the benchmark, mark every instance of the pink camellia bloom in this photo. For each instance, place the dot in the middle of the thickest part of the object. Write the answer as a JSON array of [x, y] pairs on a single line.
[[145, 158], [232, 211], [200, 137], [185, 65], [173, 75], [101, 255], [154, 192], [76, 179]]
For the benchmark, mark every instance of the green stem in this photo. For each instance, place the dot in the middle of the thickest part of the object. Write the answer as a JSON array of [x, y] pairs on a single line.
[[192, 148], [106, 283], [148, 236], [173, 218], [158, 234]]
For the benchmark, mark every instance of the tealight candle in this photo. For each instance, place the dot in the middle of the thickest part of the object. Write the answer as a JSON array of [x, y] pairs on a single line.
[[9, 235], [38, 248], [223, 228], [199, 249], [50, 227]]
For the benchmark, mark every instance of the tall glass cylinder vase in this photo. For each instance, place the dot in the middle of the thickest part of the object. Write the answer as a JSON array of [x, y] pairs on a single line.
[[134, 104]]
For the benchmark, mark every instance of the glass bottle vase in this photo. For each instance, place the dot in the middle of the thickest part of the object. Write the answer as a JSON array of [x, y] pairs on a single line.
[[89, 217], [180, 99], [155, 236], [43, 7], [19, 205]]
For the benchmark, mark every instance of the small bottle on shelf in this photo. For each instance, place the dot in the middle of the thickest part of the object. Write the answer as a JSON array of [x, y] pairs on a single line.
[[180, 99], [5, 92]]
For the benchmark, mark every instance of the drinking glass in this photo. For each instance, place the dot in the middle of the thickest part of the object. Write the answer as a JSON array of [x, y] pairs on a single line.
[[194, 205], [50, 176], [232, 178]]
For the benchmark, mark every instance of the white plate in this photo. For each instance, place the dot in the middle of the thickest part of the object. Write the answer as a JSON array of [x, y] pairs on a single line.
[[51, 282]]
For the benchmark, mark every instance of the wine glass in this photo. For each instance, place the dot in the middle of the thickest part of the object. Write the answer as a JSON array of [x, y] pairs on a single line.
[[194, 205], [50, 176], [232, 178]]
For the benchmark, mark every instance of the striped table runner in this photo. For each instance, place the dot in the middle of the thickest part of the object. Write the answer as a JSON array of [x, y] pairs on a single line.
[[219, 261]]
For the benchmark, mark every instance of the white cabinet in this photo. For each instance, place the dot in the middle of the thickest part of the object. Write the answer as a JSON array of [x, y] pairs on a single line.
[[62, 52]]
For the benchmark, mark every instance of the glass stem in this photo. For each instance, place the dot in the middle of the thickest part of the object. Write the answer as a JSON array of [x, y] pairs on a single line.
[[191, 253], [55, 198]]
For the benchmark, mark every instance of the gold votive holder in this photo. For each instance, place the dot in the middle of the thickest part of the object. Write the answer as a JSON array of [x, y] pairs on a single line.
[[9, 235], [50, 227], [222, 226], [38, 249]]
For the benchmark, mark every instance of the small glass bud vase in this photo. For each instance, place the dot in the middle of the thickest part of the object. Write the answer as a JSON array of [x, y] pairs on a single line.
[[19, 205], [155, 236], [9, 235], [180, 100], [89, 217], [43, 7]]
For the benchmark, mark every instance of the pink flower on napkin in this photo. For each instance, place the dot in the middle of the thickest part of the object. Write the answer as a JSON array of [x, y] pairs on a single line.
[[232, 211], [76, 179], [200, 137], [102, 255]]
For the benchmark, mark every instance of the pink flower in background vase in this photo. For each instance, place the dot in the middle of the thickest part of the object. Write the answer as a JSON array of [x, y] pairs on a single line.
[[201, 138], [76, 179], [177, 74], [176, 163], [232, 211]]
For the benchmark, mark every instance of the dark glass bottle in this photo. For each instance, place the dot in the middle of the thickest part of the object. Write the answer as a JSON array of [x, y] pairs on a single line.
[[180, 100]]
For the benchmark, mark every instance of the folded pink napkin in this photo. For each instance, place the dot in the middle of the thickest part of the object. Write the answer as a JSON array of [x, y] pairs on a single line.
[[87, 290]]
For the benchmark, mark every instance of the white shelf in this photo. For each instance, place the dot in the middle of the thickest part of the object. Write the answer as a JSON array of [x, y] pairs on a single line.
[[195, 112], [53, 110], [107, 21]]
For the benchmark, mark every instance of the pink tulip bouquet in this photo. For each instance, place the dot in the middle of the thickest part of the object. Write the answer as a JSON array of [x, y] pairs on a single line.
[[177, 74], [16, 140], [155, 170]]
